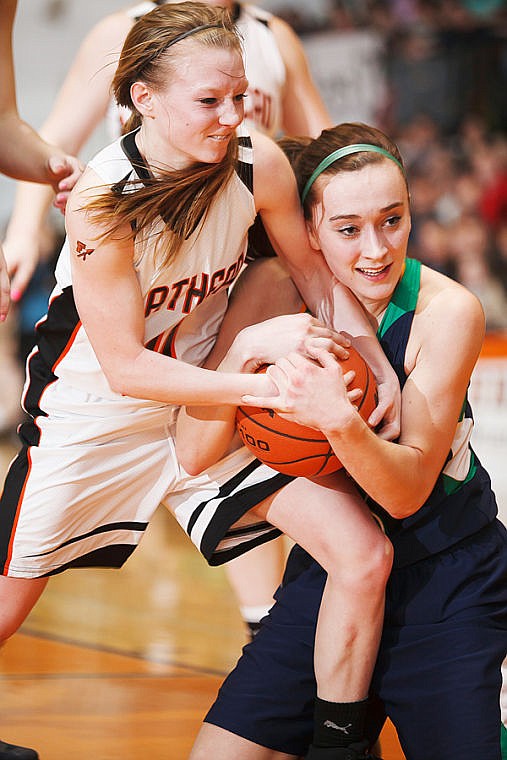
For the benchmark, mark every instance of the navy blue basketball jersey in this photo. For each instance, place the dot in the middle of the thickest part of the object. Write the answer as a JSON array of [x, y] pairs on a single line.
[[462, 501]]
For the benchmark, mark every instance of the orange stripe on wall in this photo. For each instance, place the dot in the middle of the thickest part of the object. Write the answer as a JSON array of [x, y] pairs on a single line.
[[495, 345]]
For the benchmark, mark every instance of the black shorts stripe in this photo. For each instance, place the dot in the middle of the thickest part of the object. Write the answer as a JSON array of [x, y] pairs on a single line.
[[10, 503], [231, 509], [110, 527], [107, 556]]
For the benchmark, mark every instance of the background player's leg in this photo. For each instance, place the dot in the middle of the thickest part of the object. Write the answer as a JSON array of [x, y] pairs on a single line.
[[254, 577], [17, 597]]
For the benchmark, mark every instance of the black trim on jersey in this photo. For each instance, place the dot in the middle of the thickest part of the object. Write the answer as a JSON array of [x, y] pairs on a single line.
[[52, 337], [129, 147], [244, 170]]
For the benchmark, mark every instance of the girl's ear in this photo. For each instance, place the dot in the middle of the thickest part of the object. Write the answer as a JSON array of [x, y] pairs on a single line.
[[312, 235], [142, 98]]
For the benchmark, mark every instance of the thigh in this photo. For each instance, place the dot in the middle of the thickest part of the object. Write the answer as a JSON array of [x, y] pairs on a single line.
[[329, 519], [444, 640]]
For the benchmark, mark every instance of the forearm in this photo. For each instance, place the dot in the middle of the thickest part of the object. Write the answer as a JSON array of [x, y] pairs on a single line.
[[149, 375], [205, 434], [31, 206], [28, 155], [394, 475]]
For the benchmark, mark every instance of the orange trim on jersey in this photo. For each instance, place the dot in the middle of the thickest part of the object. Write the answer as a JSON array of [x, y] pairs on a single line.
[[16, 519]]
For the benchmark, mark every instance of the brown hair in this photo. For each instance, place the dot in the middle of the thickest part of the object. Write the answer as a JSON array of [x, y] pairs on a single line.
[[181, 196], [305, 155]]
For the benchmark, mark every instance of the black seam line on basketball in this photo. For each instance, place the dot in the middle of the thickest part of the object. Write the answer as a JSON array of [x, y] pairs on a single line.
[[283, 435], [365, 391], [276, 463], [138, 526], [27, 631], [224, 490]]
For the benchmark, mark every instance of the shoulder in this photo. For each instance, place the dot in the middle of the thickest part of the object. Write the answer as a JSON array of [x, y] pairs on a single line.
[[288, 42], [106, 37], [109, 33], [448, 313], [267, 153], [440, 294], [248, 12], [273, 175]]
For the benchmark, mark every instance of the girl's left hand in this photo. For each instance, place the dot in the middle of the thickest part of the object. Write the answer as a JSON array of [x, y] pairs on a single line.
[[311, 392]]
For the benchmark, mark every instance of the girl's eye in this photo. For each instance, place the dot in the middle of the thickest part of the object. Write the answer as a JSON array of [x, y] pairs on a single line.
[[348, 231], [393, 220], [240, 97], [208, 101]]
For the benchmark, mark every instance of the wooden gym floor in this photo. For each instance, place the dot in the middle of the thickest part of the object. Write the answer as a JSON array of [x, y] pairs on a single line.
[[123, 664]]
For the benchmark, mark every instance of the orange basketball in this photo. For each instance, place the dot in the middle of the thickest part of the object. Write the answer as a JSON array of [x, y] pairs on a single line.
[[296, 449]]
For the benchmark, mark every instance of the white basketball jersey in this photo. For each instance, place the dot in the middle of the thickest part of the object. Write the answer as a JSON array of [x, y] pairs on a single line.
[[264, 66], [185, 300]]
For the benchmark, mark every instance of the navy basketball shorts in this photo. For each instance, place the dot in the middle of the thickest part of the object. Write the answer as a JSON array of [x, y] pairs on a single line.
[[438, 671]]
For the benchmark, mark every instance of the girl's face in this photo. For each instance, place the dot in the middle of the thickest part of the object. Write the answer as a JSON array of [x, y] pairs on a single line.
[[362, 226], [193, 118]]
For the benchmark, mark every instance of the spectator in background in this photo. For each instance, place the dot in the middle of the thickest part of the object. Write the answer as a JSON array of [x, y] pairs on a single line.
[[431, 246], [470, 246]]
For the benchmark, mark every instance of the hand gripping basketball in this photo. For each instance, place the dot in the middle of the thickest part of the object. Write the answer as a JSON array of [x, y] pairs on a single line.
[[295, 449]]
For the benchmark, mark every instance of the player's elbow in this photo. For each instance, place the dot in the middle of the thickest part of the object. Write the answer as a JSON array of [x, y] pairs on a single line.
[[407, 503], [192, 460]]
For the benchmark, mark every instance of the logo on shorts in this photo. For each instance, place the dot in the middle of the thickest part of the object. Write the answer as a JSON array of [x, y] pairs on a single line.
[[343, 729]]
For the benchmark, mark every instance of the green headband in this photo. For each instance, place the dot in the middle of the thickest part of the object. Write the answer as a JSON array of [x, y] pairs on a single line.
[[341, 153]]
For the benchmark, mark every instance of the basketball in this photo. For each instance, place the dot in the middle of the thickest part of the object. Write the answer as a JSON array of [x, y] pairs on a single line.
[[294, 449]]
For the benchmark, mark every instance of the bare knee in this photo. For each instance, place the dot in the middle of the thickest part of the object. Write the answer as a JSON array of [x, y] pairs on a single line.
[[363, 565], [17, 597]]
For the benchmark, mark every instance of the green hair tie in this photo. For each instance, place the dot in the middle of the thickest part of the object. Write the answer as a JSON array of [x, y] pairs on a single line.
[[341, 153]]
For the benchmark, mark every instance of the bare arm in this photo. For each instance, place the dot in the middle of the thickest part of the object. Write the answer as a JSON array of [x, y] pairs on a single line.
[[80, 106], [28, 156], [277, 201], [107, 292], [263, 322], [304, 112]]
